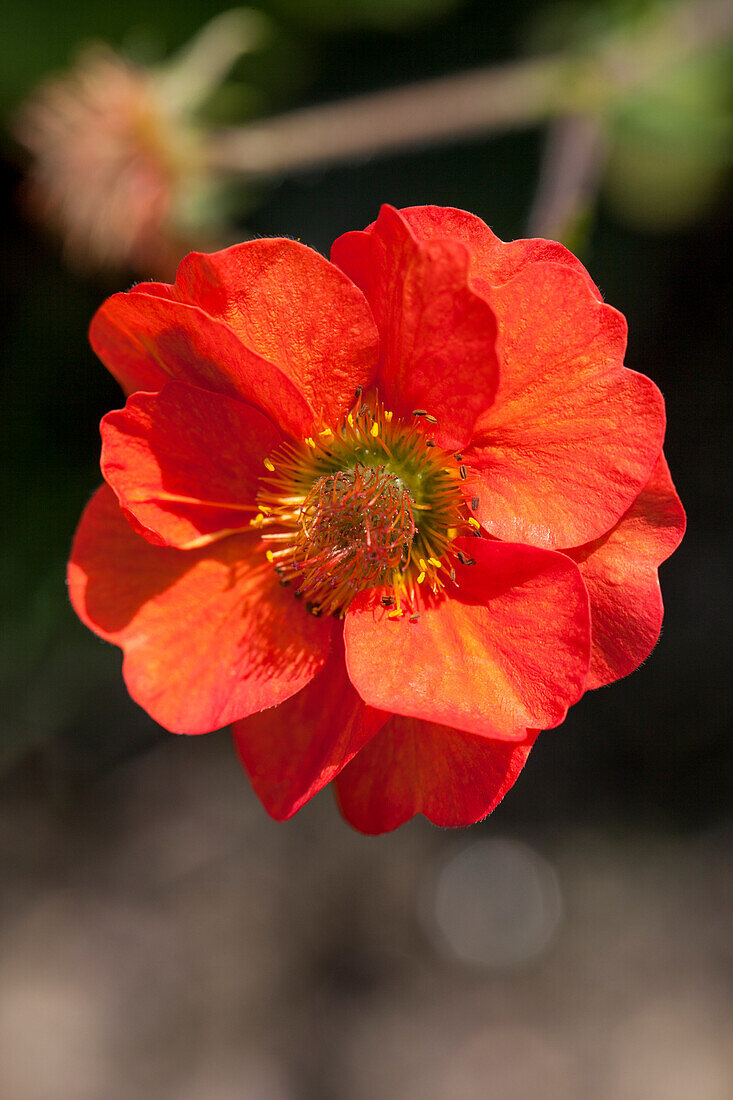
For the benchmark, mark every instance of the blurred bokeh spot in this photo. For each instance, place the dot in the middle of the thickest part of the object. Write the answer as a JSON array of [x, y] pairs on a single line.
[[495, 904]]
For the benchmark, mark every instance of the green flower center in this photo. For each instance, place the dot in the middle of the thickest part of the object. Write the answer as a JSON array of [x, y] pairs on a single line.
[[373, 503]]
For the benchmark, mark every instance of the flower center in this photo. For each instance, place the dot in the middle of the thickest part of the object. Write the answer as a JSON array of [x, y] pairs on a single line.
[[373, 503]]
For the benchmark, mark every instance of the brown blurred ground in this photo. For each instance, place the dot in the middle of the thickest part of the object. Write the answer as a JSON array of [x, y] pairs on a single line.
[[164, 939]]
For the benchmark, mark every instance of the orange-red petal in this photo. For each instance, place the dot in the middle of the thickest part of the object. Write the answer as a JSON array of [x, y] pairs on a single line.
[[573, 435], [146, 340], [437, 337], [208, 635], [185, 464], [506, 649], [493, 261], [293, 308], [620, 573], [412, 767], [291, 751]]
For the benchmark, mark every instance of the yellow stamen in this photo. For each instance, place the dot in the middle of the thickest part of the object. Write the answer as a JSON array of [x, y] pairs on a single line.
[[269, 466], [395, 614], [388, 416], [435, 562], [474, 522], [421, 577], [270, 556], [374, 429]]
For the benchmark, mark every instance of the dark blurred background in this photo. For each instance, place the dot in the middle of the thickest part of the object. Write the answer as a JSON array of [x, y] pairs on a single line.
[[161, 937]]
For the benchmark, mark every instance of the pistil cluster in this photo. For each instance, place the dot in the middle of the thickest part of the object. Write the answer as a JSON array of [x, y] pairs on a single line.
[[371, 503]]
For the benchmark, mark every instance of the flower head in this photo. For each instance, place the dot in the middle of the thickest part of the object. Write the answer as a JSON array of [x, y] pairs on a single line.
[[105, 165], [118, 164], [388, 516]]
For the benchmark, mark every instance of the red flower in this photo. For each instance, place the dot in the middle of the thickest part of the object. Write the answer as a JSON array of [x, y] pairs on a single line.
[[287, 540]]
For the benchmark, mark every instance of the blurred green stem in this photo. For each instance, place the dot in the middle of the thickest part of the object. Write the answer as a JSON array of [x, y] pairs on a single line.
[[187, 79], [430, 112], [516, 94], [576, 150]]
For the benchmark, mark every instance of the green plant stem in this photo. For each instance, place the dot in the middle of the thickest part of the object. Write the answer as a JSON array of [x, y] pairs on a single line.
[[431, 112], [508, 96], [576, 148]]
